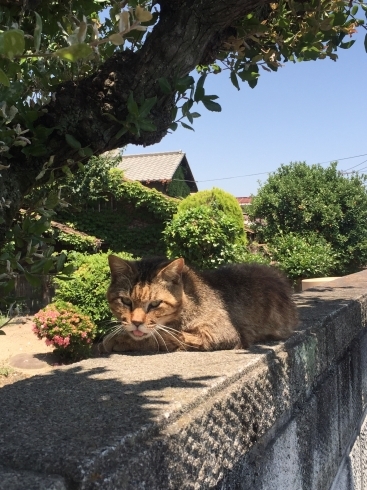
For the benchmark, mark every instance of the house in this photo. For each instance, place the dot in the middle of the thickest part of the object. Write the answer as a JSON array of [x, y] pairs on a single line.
[[168, 172]]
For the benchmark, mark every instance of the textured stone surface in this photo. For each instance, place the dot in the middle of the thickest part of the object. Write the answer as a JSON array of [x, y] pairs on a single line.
[[26, 480], [278, 416]]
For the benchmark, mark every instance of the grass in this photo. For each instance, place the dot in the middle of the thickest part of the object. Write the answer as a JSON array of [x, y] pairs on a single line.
[[6, 371]]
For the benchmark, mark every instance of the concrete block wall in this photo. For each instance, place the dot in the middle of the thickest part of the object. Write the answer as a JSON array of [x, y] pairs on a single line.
[[279, 416]]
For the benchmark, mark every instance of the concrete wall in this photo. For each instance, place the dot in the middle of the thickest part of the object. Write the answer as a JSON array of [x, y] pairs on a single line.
[[280, 416]]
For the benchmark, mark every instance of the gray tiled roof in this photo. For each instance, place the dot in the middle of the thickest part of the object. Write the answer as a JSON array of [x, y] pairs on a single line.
[[151, 166]]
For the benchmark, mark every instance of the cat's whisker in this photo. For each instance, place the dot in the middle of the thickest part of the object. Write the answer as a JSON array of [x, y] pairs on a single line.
[[164, 329], [120, 328], [162, 339], [153, 335]]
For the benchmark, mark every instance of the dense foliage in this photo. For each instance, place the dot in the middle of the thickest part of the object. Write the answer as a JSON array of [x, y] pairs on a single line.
[[204, 235], [217, 199], [304, 199], [88, 286], [303, 256], [125, 215], [84, 76]]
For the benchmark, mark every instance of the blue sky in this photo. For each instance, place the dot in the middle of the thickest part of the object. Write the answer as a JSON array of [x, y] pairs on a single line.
[[310, 111]]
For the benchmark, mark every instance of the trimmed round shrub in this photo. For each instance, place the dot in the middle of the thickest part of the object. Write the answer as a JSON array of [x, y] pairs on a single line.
[[65, 327], [303, 256], [88, 286], [221, 200], [205, 237]]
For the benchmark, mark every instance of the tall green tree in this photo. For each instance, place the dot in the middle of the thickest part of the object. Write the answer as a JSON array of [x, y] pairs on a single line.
[[312, 200]]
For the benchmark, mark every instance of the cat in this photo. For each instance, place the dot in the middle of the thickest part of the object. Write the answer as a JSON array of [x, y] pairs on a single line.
[[163, 304]]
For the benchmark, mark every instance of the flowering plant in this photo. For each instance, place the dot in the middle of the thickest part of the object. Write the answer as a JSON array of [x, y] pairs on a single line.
[[65, 327]]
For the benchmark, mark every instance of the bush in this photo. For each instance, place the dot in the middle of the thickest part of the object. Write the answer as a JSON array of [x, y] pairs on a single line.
[[88, 286], [302, 199], [204, 236], [303, 256], [65, 327], [221, 200]]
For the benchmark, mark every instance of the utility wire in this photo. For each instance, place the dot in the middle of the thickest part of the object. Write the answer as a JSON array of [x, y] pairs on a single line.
[[263, 173]]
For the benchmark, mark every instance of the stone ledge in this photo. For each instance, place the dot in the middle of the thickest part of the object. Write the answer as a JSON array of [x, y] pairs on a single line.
[[186, 420]]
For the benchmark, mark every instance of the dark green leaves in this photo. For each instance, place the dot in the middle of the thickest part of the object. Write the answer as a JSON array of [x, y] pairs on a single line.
[[210, 105], [165, 85], [71, 141]]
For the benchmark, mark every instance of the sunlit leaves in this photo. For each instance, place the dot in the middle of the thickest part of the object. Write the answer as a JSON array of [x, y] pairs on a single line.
[[116, 39], [74, 52], [12, 43], [37, 32], [142, 15]]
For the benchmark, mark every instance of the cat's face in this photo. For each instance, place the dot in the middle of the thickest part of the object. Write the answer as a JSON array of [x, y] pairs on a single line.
[[145, 296]]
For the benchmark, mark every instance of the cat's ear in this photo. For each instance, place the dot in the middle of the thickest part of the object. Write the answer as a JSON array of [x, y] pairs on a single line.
[[120, 267], [172, 272]]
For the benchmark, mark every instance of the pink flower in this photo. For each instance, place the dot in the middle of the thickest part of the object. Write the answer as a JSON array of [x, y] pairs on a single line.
[[83, 335], [66, 341], [49, 342]]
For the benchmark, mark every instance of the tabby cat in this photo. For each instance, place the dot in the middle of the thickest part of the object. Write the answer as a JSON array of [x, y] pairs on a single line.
[[166, 305]]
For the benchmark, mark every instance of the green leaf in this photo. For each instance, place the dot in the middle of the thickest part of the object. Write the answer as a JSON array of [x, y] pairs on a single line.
[[252, 83], [37, 32], [200, 92], [116, 39], [132, 106], [60, 262], [347, 45], [4, 79], [195, 114], [365, 43], [234, 80], [184, 83], [187, 126], [147, 106], [212, 106], [173, 126], [120, 133], [164, 85], [354, 10], [88, 152], [71, 141], [35, 150], [13, 43], [67, 171], [146, 125], [52, 199], [33, 280], [74, 52], [111, 117]]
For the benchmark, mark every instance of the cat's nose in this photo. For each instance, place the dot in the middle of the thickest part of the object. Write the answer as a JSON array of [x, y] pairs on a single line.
[[137, 323]]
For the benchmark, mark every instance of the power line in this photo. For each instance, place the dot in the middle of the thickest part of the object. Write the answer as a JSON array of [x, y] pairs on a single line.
[[263, 173], [350, 168]]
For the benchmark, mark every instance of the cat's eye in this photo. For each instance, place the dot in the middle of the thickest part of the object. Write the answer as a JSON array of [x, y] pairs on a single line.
[[154, 304], [126, 301]]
